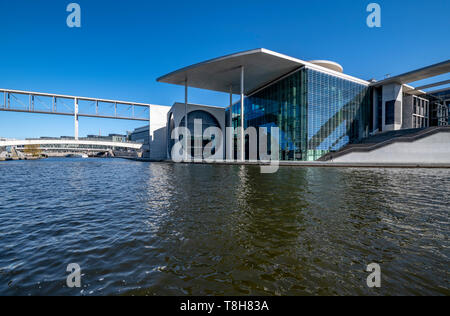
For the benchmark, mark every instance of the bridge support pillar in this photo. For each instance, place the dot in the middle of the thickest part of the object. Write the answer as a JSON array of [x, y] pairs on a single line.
[[76, 118]]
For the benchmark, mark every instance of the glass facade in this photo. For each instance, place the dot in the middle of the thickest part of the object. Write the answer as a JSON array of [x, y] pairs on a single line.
[[339, 113], [441, 108], [316, 113]]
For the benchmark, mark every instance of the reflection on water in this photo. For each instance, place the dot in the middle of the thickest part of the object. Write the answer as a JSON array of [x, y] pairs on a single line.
[[163, 229]]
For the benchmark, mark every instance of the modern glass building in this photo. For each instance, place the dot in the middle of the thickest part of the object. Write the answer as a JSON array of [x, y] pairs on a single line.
[[317, 108], [316, 113]]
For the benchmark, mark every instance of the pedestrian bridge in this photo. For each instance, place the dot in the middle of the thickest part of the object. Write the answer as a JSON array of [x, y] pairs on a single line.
[[44, 142]]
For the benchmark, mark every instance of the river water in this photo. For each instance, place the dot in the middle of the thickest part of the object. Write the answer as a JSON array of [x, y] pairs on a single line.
[[164, 229]]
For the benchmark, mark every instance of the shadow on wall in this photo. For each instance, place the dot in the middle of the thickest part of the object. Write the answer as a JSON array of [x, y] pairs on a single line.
[[158, 149]]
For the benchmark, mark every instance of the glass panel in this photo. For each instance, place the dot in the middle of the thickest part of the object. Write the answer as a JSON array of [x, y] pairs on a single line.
[[316, 113]]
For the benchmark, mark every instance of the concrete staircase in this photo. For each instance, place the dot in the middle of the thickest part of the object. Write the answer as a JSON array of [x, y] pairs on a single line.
[[384, 139]]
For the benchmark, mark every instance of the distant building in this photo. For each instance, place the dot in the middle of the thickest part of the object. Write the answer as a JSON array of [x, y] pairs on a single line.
[[92, 144], [111, 137]]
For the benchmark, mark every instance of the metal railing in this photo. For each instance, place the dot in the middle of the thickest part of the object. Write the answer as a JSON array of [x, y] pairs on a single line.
[[46, 103]]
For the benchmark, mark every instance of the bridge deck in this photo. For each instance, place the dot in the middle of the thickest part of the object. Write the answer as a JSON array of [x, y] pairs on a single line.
[[7, 143]]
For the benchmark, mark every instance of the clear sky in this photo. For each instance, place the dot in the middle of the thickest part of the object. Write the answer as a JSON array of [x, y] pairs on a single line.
[[123, 46]]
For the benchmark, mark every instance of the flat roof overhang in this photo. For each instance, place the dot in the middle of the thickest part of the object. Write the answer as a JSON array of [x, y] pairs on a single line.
[[440, 90], [261, 67], [420, 90], [417, 75]]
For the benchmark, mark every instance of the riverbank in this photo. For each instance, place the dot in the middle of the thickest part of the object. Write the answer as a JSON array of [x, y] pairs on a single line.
[[15, 159]]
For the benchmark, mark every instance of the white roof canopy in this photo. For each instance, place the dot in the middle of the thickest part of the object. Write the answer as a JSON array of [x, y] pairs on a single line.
[[261, 67]]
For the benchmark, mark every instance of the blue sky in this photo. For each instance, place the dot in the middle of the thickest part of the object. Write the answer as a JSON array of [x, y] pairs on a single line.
[[123, 46]]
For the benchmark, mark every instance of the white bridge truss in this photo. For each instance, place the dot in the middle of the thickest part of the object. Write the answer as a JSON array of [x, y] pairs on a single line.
[[45, 103]]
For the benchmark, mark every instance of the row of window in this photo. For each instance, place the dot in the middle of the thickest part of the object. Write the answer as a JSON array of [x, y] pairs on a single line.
[[421, 106], [420, 121]]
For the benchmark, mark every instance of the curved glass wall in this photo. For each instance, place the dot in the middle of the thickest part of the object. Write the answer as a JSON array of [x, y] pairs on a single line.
[[316, 113]]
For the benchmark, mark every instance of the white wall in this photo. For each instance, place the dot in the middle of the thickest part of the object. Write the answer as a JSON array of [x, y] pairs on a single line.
[[158, 122], [434, 149], [392, 92]]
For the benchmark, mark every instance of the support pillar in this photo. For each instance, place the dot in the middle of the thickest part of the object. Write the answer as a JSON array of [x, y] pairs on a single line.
[[230, 153], [186, 155], [242, 135], [76, 118], [231, 105], [149, 131]]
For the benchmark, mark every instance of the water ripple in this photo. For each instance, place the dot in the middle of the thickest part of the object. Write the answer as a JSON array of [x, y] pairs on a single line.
[[163, 229]]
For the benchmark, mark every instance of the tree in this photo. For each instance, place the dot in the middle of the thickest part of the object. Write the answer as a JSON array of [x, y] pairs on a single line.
[[33, 150]]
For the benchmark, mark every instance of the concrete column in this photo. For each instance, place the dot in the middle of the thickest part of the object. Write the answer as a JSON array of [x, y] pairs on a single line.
[[229, 154], [375, 111], [242, 145], [76, 118], [149, 132], [168, 135], [186, 155]]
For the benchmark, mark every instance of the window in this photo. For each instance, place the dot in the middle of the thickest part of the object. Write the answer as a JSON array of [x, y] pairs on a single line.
[[390, 112]]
